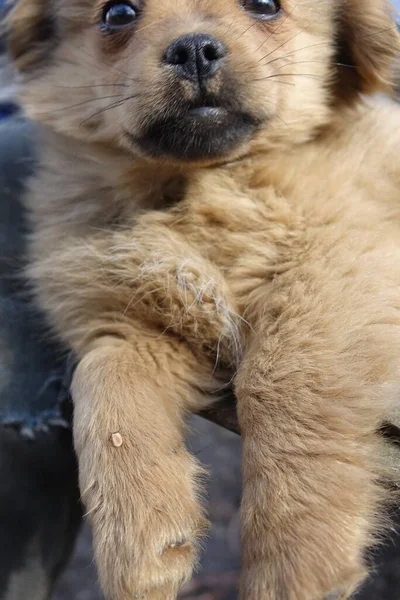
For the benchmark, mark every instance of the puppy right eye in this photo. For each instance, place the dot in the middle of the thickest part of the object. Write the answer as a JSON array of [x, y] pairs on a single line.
[[118, 14]]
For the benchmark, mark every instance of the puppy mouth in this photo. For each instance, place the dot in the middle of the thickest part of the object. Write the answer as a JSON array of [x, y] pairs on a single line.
[[201, 132], [207, 112]]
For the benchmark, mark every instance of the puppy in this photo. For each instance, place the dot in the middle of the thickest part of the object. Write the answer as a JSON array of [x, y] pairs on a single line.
[[218, 201]]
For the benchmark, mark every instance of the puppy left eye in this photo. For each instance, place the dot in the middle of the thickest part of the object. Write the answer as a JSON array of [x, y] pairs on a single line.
[[262, 9]]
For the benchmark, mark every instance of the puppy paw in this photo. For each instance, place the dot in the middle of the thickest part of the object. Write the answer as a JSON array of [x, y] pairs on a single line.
[[286, 579], [190, 297], [146, 520], [308, 550]]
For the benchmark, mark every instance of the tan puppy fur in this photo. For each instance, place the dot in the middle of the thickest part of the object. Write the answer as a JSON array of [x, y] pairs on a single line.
[[172, 265]]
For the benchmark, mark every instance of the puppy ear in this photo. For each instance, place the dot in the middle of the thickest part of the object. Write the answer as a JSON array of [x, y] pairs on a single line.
[[367, 41], [29, 32]]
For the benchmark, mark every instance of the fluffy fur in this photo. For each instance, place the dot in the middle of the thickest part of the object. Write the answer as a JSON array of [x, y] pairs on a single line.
[[273, 261]]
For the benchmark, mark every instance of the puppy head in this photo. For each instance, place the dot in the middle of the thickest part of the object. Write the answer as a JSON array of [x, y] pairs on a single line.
[[199, 81]]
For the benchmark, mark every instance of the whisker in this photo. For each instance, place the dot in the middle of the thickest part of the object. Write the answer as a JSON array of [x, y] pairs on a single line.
[[274, 81], [94, 64], [303, 62], [280, 118], [111, 65], [309, 75], [89, 64], [81, 103], [147, 26], [109, 107], [287, 15], [230, 26], [82, 87], [319, 44], [280, 46], [246, 30]]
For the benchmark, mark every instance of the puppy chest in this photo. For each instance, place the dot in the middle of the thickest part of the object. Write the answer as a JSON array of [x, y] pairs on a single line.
[[200, 269]]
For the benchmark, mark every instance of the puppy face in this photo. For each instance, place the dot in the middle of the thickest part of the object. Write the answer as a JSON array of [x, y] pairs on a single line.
[[204, 80]]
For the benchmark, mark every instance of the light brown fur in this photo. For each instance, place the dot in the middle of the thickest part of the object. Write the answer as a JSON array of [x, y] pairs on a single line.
[[277, 267]]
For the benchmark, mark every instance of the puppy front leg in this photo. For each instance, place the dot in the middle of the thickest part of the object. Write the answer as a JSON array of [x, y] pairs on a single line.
[[138, 482], [308, 416]]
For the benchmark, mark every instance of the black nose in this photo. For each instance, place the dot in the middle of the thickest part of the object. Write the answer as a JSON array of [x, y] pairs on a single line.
[[195, 57]]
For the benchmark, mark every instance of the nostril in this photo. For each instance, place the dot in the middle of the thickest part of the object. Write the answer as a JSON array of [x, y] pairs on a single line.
[[211, 52], [179, 56], [178, 53]]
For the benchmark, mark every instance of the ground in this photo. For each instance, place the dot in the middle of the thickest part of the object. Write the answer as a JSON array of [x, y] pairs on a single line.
[[220, 451]]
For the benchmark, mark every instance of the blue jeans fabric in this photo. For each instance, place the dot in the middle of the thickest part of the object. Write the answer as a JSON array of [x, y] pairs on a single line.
[[40, 510]]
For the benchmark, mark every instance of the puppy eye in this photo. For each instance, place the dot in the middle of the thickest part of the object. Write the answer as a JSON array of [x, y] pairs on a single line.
[[118, 14], [262, 9]]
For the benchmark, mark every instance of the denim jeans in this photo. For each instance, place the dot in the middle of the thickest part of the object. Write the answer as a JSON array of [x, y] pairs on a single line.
[[40, 511]]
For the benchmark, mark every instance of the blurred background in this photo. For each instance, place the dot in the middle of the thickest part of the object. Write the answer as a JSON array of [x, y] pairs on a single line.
[[220, 453]]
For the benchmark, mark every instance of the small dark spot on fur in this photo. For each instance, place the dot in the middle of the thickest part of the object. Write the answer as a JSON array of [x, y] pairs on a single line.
[[46, 29], [174, 192]]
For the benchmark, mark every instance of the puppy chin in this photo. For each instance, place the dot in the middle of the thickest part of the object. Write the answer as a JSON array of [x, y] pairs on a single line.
[[203, 134]]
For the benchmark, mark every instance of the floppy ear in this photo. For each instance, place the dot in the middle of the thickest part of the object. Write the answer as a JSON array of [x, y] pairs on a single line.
[[368, 42], [29, 32]]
